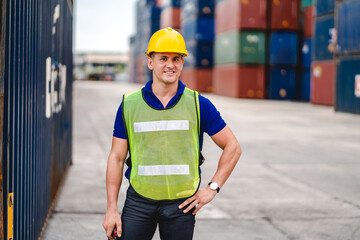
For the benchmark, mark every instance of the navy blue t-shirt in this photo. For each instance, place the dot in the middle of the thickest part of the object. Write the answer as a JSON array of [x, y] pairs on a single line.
[[210, 120]]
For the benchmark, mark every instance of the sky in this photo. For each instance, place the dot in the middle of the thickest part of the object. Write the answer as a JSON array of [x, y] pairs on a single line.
[[103, 26]]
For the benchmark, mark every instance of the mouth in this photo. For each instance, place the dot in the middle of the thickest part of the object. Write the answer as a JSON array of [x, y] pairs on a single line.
[[169, 73]]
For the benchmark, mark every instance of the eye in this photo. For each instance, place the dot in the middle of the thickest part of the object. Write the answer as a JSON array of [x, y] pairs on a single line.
[[163, 58]]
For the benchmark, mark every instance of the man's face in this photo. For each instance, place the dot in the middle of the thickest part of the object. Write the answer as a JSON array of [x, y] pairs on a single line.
[[166, 67]]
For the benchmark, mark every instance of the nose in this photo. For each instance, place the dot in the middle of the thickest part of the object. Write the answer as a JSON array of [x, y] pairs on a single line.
[[170, 64]]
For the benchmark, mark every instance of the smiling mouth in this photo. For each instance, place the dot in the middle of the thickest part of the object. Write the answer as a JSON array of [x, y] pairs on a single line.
[[169, 72]]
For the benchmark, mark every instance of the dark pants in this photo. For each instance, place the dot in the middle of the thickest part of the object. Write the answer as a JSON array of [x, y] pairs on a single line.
[[140, 217]]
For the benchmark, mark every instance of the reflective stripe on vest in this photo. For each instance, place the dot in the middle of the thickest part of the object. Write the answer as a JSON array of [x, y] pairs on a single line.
[[164, 146]]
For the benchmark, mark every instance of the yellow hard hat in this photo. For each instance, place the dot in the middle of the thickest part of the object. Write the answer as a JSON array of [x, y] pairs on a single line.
[[167, 40]]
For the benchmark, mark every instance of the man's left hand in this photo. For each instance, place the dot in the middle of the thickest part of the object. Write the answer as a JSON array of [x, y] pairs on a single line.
[[201, 198]]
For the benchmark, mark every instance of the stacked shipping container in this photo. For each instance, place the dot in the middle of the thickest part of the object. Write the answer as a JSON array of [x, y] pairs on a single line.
[[307, 10], [170, 14], [147, 23], [197, 28], [283, 49], [323, 48], [347, 94], [240, 48]]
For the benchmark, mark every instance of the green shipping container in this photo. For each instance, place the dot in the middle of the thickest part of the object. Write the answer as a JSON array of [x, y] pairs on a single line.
[[306, 3], [240, 48]]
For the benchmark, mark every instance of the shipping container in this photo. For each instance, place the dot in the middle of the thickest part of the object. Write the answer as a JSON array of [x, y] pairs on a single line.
[[306, 3], [199, 79], [36, 80], [324, 7], [322, 82], [347, 98], [324, 41], [306, 53], [198, 29], [348, 28], [235, 15], [200, 54], [170, 17], [196, 8], [283, 48], [147, 13], [308, 21], [147, 2], [284, 14], [282, 83], [244, 47], [239, 81], [305, 84], [170, 3]]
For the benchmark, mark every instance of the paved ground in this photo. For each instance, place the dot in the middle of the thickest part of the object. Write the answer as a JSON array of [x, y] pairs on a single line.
[[298, 177]]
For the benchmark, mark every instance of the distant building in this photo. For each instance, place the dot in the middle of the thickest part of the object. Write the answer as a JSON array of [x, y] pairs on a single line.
[[101, 66]]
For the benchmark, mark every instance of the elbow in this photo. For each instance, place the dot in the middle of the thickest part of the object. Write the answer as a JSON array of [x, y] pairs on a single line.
[[238, 151]]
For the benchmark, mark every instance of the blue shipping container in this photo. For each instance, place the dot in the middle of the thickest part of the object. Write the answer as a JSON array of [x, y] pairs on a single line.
[[306, 53], [148, 13], [347, 93], [196, 8], [200, 55], [305, 84], [323, 7], [324, 41], [199, 29], [348, 28], [147, 2], [282, 83], [171, 3], [283, 48]]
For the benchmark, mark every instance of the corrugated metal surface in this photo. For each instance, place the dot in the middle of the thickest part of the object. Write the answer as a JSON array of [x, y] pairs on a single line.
[[196, 8], [308, 21], [169, 3], [284, 48], [348, 84], [284, 14], [239, 81], [305, 84], [199, 79], [282, 83], [348, 27], [306, 3], [198, 29], [322, 82], [240, 47], [324, 7], [38, 108], [236, 15], [324, 38], [170, 17], [306, 53], [200, 54]]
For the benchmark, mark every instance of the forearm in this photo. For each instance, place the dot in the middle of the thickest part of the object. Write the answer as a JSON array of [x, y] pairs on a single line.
[[114, 174], [229, 158]]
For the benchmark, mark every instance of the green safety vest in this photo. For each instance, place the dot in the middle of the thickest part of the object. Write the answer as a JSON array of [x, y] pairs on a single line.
[[164, 146]]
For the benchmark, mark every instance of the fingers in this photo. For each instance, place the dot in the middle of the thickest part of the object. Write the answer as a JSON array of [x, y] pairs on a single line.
[[108, 232], [197, 208], [186, 202], [119, 229]]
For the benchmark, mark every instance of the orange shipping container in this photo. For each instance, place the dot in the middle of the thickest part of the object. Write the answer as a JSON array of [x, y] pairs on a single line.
[[244, 14], [308, 21], [239, 81], [322, 82], [170, 17], [197, 79], [284, 14]]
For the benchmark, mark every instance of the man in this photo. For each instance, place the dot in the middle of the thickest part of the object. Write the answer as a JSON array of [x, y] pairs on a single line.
[[162, 125]]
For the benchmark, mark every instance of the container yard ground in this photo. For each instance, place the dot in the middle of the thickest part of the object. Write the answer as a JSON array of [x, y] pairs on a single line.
[[298, 177]]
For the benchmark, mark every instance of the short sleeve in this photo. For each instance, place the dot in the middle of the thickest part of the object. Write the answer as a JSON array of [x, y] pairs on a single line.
[[211, 121], [119, 128]]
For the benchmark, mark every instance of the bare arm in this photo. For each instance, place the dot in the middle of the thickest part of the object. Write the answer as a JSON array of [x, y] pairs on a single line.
[[226, 140], [114, 172]]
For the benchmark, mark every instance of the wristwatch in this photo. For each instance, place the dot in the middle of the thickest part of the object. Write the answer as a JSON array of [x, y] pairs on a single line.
[[214, 186]]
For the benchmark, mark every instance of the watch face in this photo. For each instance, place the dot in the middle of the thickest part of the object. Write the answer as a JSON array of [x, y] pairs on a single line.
[[214, 186]]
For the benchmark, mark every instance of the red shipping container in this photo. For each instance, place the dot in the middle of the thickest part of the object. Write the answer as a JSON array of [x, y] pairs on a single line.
[[159, 3], [244, 14], [322, 82], [239, 81], [308, 21], [199, 79], [170, 17], [284, 14]]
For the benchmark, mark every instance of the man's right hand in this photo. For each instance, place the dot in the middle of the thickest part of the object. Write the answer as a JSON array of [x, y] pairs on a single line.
[[112, 219]]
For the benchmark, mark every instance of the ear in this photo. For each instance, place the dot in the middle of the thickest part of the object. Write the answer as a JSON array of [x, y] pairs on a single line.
[[150, 63]]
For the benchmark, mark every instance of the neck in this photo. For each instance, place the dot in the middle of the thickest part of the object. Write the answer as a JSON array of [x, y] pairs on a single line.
[[164, 92]]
